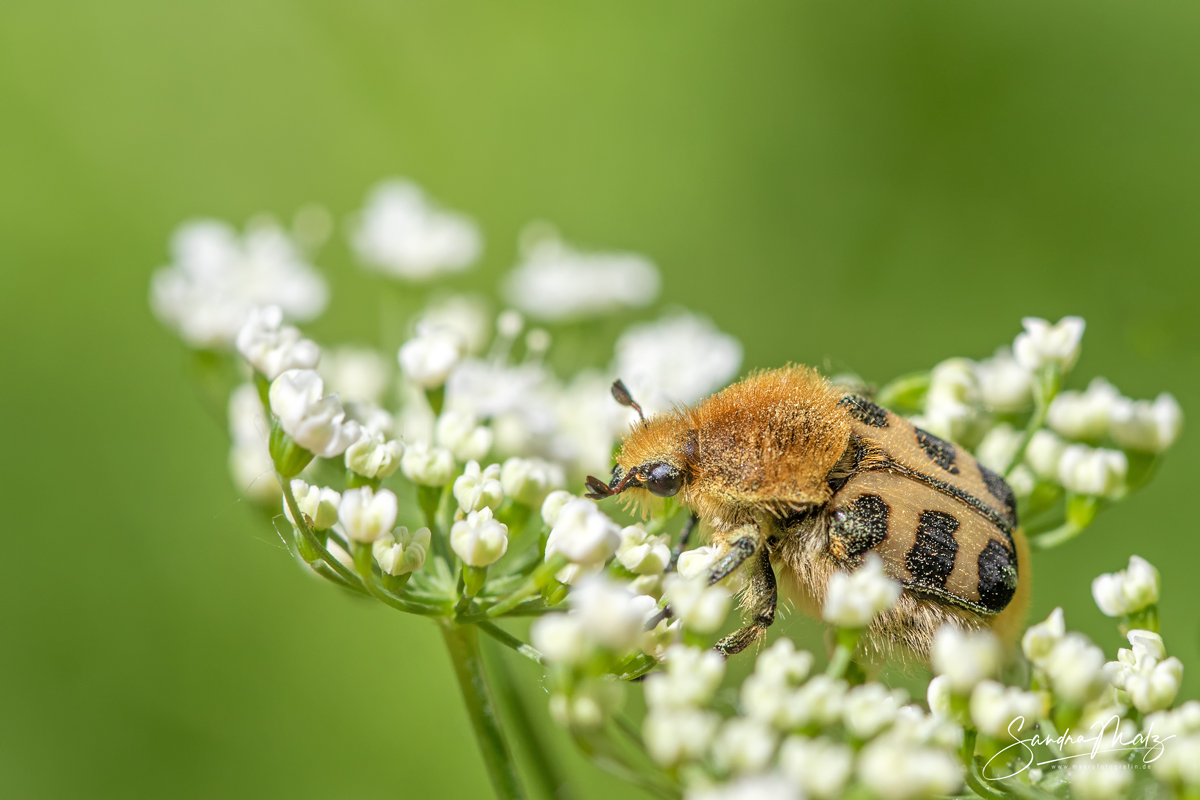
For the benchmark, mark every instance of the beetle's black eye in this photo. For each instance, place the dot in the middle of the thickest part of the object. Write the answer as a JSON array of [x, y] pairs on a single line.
[[662, 480]]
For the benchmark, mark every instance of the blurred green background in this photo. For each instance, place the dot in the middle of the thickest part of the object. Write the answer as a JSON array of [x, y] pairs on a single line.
[[867, 186]]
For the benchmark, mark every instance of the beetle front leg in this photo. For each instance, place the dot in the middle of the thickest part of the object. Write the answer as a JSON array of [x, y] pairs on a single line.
[[762, 600]]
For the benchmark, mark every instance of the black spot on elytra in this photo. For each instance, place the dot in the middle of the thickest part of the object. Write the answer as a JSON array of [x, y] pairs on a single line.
[[931, 558], [939, 451], [1001, 491], [997, 576], [861, 525], [864, 411]]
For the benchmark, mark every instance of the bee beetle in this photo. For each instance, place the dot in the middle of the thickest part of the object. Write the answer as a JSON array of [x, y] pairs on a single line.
[[790, 473]]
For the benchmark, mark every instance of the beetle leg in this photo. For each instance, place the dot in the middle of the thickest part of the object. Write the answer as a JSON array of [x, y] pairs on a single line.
[[684, 536], [763, 597], [738, 552]]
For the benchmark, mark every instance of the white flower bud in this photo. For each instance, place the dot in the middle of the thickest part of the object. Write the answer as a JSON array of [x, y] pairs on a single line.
[[691, 678], [870, 708], [820, 767], [1179, 723], [528, 480], [583, 533], [1044, 454], [1076, 669], [403, 234], [675, 736], [1101, 780], [1179, 761], [560, 638], [1022, 481], [609, 613], [1006, 712], [998, 447], [1042, 343], [965, 657], [427, 466], [1128, 591], [782, 663], [553, 505], [1154, 688], [479, 540], [314, 420], [1084, 415], [476, 488], [744, 745], [459, 433], [401, 552], [1040, 639], [373, 457], [272, 347], [894, 770], [1093, 471], [819, 702], [428, 359], [940, 696], [694, 563], [318, 503], [1004, 385], [915, 727], [700, 607], [1142, 425], [641, 553], [367, 515], [854, 599]]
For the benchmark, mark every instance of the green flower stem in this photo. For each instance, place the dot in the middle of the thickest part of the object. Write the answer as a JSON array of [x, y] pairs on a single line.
[[976, 782], [508, 640], [429, 498], [847, 641], [967, 753], [540, 577], [602, 752], [546, 774], [310, 538], [1145, 620], [322, 569], [462, 642], [1044, 391], [530, 608], [1053, 538], [364, 563]]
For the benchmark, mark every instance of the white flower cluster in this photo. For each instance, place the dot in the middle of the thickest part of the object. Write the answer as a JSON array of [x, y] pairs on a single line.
[[556, 282], [794, 735], [1084, 450], [401, 234], [217, 278]]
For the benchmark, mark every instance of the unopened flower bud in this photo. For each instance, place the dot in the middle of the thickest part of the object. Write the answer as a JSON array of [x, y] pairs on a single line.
[[583, 533], [1042, 343], [854, 599], [428, 359], [1004, 712], [528, 480], [479, 540], [965, 657], [367, 515], [560, 638], [318, 503], [476, 488], [1148, 426], [641, 553], [400, 552], [374, 457], [313, 420], [272, 347], [700, 607], [427, 466], [553, 505], [462, 435], [1040, 639], [1093, 471], [1130, 590]]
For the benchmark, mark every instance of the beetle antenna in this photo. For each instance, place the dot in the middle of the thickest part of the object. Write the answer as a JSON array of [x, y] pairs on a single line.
[[620, 393]]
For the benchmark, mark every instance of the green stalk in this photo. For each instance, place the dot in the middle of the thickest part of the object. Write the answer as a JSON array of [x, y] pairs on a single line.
[[540, 577], [1044, 392], [546, 774], [463, 644], [847, 641], [508, 640]]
